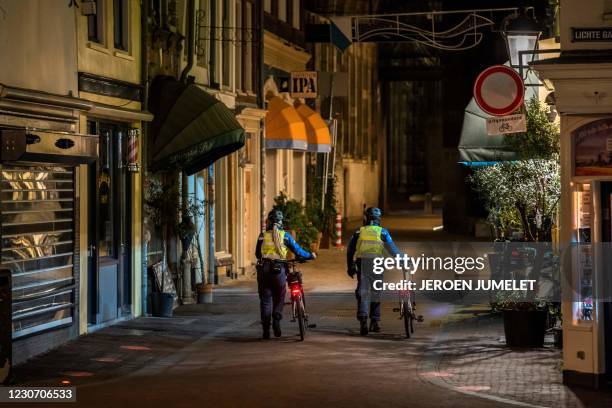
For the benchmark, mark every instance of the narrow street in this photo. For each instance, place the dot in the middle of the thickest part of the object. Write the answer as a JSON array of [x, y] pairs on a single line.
[[213, 355]]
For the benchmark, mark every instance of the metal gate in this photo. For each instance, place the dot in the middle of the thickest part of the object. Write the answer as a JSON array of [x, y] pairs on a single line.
[[38, 229]]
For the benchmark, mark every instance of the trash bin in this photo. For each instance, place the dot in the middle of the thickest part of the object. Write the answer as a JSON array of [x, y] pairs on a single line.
[[6, 326]]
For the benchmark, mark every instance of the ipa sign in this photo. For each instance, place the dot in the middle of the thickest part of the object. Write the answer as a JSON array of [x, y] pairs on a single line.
[[304, 84], [506, 124]]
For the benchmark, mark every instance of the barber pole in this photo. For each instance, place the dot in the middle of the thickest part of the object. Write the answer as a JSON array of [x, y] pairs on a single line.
[[133, 151], [338, 231]]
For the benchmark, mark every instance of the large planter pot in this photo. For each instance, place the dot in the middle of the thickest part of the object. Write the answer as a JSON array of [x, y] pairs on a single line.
[[524, 328], [161, 304]]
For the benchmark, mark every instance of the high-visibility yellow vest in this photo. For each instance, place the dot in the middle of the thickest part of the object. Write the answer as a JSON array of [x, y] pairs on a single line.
[[269, 250], [369, 243]]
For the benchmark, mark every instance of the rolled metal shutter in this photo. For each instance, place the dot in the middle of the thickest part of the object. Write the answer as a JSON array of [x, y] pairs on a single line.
[[37, 221]]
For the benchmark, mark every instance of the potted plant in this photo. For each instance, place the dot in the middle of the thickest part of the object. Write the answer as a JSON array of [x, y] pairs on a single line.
[[523, 195], [160, 208], [525, 320], [322, 216]]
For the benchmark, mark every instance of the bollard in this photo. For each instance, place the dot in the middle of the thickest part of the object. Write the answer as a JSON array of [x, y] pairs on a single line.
[[338, 243]]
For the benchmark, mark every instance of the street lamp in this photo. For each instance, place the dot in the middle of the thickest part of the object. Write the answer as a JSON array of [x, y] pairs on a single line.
[[521, 33]]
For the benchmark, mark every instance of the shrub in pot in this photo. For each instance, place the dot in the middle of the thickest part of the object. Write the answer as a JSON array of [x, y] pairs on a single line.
[[525, 321]]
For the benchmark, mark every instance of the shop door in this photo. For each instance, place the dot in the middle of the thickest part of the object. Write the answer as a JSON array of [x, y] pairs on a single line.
[[38, 241], [606, 253], [110, 274]]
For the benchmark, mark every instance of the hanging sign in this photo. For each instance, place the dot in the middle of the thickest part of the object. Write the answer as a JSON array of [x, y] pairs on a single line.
[[501, 125], [304, 84], [499, 90]]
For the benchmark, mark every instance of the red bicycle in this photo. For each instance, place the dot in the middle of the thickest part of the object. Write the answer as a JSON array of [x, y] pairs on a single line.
[[296, 290], [406, 310]]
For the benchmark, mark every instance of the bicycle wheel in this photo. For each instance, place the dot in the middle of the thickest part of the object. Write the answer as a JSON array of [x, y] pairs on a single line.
[[407, 314], [301, 316]]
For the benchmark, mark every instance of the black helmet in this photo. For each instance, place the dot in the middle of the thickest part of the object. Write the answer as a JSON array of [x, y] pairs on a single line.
[[275, 217], [372, 215]]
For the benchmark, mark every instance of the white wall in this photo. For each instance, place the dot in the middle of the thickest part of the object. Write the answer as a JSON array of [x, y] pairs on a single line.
[[357, 184], [38, 45], [577, 13]]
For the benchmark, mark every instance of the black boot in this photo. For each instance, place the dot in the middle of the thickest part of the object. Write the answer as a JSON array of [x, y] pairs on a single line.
[[266, 330], [363, 327], [276, 327], [374, 327]]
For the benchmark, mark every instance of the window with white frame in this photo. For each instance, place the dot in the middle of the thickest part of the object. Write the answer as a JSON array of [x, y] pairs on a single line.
[[296, 14], [95, 24], [226, 43], [282, 10], [248, 48], [239, 45], [121, 24], [203, 33]]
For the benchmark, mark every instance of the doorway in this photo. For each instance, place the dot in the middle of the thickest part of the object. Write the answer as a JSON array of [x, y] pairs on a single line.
[[606, 262], [110, 277]]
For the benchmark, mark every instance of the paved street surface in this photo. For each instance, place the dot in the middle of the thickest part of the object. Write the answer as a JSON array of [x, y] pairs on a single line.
[[212, 355]]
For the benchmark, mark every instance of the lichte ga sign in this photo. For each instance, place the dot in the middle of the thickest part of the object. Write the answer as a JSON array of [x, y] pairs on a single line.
[[303, 84], [592, 34]]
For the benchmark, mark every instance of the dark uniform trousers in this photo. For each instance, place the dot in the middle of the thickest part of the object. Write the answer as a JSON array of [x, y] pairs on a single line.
[[368, 299], [272, 286]]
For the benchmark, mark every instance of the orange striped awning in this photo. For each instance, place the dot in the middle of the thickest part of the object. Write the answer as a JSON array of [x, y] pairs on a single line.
[[285, 129], [317, 131]]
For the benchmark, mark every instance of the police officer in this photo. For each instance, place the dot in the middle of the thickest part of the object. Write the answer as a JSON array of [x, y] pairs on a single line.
[[368, 242], [272, 248]]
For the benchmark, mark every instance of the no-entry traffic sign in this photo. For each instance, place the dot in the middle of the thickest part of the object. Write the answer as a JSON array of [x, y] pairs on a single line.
[[499, 90]]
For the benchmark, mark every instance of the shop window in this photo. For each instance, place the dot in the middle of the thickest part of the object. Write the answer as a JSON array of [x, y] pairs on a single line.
[[106, 196], [221, 205], [110, 184], [583, 253], [120, 24], [95, 24]]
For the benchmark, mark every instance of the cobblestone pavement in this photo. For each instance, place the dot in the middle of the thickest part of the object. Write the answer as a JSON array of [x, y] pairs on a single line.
[[211, 355], [471, 357]]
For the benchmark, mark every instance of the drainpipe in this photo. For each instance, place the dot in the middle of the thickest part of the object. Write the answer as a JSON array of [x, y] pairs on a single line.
[[262, 105], [185, 263], [144, 78]]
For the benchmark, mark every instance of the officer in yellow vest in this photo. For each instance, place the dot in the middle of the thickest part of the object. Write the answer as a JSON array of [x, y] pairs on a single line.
[[368, 242], [272, 248]]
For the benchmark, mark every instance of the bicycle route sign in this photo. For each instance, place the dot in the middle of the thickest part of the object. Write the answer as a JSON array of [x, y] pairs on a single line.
[[501, 125], [499, 90]]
